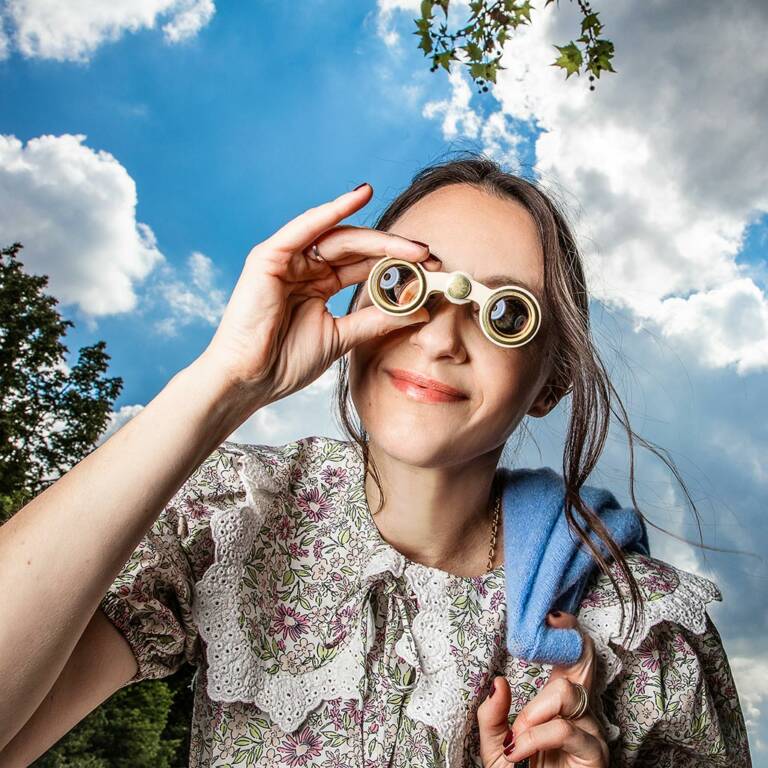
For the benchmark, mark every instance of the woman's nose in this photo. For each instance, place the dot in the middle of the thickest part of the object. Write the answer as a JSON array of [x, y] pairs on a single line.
[[442, 333]]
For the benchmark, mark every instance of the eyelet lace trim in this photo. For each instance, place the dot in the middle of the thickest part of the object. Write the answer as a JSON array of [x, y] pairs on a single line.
[[685, 605], [235, 672], [436, 701]]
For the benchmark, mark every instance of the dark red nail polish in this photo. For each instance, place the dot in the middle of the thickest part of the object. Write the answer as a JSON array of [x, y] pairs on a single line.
[[493, 689], [509, 742], [360, 185], [554, 613]]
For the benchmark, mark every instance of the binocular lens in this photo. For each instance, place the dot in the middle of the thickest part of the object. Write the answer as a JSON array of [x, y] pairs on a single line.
[[509, 316], [399, 285]]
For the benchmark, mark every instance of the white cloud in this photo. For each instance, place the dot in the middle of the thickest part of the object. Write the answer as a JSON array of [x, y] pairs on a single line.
[[386, 17], [306, 412], [189, 20], [750, 674], [72, 31], [662, 161], [5, 44], [74, 210], [459, 119], [190, 299]]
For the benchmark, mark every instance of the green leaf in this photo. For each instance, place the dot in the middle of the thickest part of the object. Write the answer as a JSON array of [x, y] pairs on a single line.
[[591, 21], [474, 51], [477, 70], [525, 10], [344, 538], [570, 58]]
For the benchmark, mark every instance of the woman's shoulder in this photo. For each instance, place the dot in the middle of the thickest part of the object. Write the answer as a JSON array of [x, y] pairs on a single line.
[[278, 468], [651, 680], [669, 593]]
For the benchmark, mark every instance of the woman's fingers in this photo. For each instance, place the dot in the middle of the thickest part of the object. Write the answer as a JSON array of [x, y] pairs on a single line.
[[301, 231], [558, 698], [583, 670], [543, 722], [340, 243], [493, 722], [559, 734], [368, 323]]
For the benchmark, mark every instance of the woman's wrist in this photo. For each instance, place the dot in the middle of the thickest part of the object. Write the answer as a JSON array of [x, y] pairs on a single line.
[[226, 402]]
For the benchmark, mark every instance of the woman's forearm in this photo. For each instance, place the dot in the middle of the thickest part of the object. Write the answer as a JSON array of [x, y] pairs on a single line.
[[60, 553]]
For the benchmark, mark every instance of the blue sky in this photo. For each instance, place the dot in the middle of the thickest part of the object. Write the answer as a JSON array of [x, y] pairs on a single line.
[[261, 112]]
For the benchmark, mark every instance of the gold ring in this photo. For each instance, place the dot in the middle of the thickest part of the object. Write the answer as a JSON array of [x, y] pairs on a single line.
[[583, 703]]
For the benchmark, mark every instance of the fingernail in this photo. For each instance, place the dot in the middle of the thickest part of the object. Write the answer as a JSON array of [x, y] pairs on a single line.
[[554, 613], [493, 689], [418, 242], [509, 742], [361, 185]]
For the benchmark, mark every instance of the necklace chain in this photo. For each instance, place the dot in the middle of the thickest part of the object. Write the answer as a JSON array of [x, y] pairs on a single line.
[[492, 552]]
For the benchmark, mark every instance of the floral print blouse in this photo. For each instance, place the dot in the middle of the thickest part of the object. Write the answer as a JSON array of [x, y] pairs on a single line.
[[319, 644]]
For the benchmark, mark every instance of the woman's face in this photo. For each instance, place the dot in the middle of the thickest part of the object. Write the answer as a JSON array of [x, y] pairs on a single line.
[[483, 235]]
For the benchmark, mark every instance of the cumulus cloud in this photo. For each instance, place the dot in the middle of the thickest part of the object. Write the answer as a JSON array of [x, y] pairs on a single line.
[[306, 412], [72, 31], [751, 678], [190, 298], [662, 161], [459, 119], [74, 210]]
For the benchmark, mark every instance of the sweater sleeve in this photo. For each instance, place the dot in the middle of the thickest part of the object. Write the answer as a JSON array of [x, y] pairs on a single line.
[[150, 600], [675, 702], [667, 693]]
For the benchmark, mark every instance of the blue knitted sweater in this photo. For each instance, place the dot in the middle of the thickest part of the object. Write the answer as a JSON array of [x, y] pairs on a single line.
[[546, 565]]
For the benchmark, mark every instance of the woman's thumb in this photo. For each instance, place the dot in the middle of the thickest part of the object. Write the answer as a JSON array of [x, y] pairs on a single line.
[[369, 322], [493, 719]]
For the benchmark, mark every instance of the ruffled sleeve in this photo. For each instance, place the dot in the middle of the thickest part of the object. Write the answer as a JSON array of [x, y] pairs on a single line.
[[668, 694], [150, 600]]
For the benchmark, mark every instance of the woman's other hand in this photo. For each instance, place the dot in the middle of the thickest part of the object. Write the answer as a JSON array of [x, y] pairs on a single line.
[[276, 335], [540, 731]]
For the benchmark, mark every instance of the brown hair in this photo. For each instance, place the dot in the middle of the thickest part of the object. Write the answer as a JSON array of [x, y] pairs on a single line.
[[577, 367]]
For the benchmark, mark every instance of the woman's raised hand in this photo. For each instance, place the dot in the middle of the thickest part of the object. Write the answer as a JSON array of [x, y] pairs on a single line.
[[540, 731], [276, 335]]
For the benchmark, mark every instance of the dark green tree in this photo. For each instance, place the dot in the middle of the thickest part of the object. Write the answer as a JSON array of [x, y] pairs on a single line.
[[490, 25], [50, 419]]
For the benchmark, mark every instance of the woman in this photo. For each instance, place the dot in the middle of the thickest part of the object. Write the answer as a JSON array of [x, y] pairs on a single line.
[[345, 600]]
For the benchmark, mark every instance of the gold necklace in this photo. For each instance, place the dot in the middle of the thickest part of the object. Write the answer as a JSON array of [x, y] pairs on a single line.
[[493, 533]]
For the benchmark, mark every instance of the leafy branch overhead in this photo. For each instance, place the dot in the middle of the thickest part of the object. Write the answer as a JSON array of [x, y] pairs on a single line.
[[489, 26]]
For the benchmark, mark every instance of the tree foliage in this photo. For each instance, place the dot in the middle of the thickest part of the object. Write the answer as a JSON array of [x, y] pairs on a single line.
[[50, 420], [481, 39]]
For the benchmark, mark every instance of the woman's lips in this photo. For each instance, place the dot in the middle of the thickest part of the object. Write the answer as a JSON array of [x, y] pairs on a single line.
[[423, 394]]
